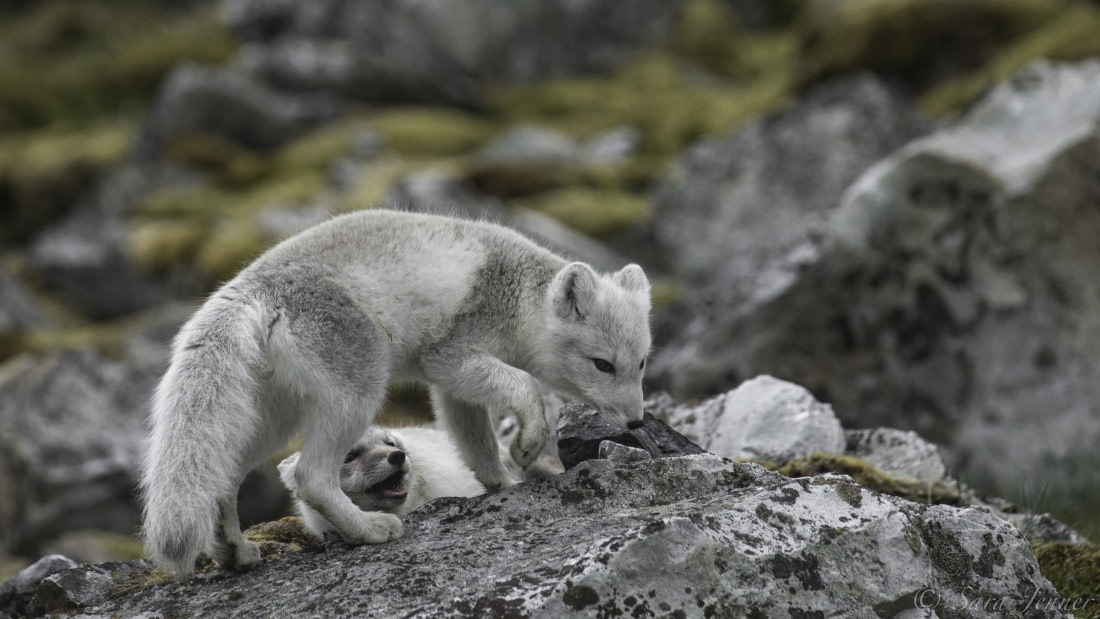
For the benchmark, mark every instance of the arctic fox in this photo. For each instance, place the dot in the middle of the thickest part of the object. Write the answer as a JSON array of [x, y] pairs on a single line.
[[393, 471], [310, 334]]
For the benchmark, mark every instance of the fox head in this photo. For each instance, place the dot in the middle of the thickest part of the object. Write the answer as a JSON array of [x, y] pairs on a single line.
[[598, 327]]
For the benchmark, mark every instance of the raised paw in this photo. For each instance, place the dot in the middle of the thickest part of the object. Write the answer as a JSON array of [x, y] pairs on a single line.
[[528, 444]]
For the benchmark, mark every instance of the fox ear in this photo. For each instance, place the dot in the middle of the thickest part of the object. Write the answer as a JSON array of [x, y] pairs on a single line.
[[632, 279], [573, 290], [286, 471]]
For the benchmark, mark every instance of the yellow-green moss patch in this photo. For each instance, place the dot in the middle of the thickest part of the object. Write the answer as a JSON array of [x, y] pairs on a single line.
[[1075, 572], [79, 61], [671, 107], [1073, 35], [900, 36], [596, 212], [430, 131], [42, 173], [871, 477]]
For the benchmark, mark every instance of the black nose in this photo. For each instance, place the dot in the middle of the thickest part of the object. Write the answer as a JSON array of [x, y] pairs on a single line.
[[634, 425], [396, 458]]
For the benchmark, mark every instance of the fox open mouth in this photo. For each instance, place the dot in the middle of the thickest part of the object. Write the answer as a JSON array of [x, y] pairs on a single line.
[[391, 487]]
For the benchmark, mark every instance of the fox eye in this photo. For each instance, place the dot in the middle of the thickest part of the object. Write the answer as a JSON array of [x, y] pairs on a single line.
[[353, 454], [390, 442], [604, 366], [642, 366]]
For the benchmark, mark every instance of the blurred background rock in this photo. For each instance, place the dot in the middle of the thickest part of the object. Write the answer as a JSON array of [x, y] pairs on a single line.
[[864, 197]]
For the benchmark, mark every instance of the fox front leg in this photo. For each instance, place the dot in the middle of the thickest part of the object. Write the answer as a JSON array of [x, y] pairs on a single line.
[[465, 388]]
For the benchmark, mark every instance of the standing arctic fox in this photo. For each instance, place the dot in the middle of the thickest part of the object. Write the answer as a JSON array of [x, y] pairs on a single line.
[[311, 333]]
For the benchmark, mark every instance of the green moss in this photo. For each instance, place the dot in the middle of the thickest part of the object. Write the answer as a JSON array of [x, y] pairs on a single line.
[[80, 61], [671, 106], [1075, 573], [429, 131], [232, 165], [870, 477], [1070, 36], [157, 245], [216, 228], [42, 173], [596, 212], [287, 531], [913, 38], [708, 35]]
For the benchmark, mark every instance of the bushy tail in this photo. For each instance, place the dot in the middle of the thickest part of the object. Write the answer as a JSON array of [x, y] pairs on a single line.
[[202, 420]]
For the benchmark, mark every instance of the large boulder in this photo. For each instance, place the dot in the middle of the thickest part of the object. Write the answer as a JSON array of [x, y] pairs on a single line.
[[72, 430], [438, 50], [686, 536], [764, 418], [950, 290], [228, 103]]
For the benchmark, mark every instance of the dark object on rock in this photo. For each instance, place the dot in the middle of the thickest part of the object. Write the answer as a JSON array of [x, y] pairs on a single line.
[[581, 429]]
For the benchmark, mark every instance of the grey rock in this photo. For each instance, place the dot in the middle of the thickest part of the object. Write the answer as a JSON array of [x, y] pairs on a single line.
[[529, 146], [612, 146], [740, 218], [439, 50], [18, 309], [949, 290], [17, 591], [582, 432], [71, 426], [434, 192], [696, 535], [72, 430], [228, 103], [897, 452], [71, 589], [621, 454], [763, 418], [84, 261], [774, 420], [27, 580]]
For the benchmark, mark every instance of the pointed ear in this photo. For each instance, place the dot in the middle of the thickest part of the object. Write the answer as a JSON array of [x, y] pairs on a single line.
[[286, 471], [632, 279], [573, 290]]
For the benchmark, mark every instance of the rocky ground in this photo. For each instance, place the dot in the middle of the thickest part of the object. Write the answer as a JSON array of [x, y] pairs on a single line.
[[891, 204]]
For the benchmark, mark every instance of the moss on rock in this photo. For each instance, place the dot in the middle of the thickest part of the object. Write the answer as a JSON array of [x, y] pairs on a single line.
[[922, 41], [1075, 572], [429, 131], [43, 173], [597, 212], [79, 61], [671, 106], [1073, 35], [871, 477]]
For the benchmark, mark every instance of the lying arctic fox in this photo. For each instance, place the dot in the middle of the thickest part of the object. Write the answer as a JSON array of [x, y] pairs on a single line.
[[391, 470], [311, 333]]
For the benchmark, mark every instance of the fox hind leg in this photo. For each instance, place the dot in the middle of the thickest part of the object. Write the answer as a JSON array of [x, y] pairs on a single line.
[[232, 551], [338, 360]]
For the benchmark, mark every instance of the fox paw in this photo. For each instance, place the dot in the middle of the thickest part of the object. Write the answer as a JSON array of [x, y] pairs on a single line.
[[528, 444], [240, 556], [376, 528]]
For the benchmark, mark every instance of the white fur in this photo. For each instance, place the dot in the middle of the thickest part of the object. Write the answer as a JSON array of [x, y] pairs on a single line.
[[432, 469], [311, 333]]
